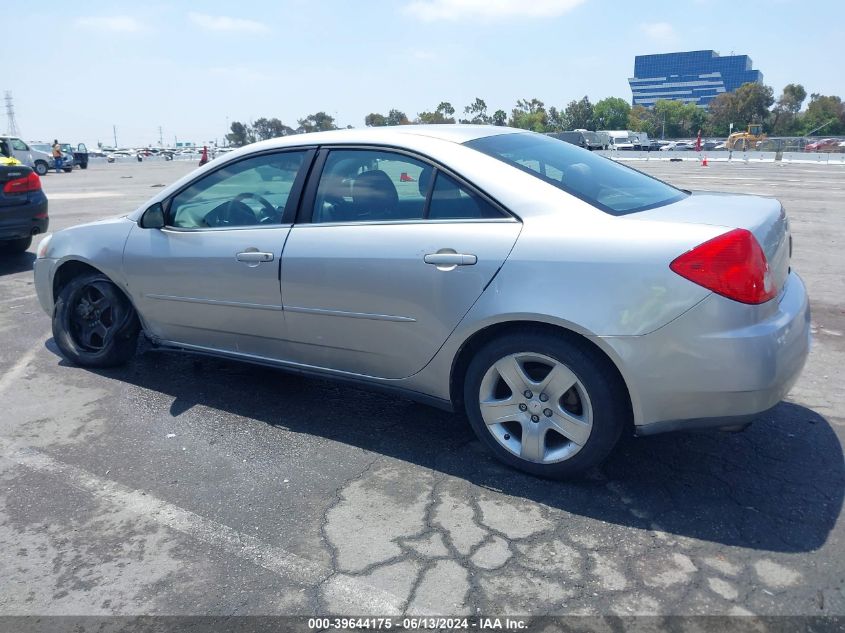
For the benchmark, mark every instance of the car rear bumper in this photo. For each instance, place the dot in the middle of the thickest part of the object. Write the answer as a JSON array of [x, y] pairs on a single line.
[[720, 364], [24, 220]]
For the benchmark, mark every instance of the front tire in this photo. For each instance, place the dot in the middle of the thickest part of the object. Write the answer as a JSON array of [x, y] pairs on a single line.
[[545, 405], [41, 168], [94, 324]]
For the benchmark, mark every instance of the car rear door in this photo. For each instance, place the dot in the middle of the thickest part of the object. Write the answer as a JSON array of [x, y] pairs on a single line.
[[210, 277], [390, 254]]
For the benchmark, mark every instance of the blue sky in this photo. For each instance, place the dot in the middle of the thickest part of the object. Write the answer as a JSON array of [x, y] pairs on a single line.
[[191, 68]]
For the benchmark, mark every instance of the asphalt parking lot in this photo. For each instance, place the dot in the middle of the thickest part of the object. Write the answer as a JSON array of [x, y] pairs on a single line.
[[179, 485]]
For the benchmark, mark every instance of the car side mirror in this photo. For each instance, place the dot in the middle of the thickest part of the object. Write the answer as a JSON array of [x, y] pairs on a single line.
[[153, 217]]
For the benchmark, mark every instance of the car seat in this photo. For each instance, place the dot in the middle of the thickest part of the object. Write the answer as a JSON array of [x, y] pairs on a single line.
[[374, 196]]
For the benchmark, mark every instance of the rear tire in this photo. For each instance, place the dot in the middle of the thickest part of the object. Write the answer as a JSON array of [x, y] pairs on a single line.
[[15, 247], [545, 405], [94, 324]]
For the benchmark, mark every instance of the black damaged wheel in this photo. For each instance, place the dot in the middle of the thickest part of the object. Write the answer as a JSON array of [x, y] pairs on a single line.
[[94, 324]]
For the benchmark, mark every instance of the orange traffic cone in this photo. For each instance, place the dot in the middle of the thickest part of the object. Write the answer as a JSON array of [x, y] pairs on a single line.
[[405, 177], [704, 162]]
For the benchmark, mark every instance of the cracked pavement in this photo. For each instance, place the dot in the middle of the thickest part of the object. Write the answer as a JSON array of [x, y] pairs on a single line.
[[178, 485]]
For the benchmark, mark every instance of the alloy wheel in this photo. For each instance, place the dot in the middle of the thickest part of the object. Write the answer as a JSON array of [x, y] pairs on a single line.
[[536, 407]]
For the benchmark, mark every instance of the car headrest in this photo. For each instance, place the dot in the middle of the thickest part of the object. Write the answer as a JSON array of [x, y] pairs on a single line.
[[374, 191]]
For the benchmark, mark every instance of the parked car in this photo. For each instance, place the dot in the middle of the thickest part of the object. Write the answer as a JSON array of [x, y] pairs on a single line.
[[622, 143], [557, 297], [823, 145], [32, 155], [581, 138], [47, 162], [113, 156], [677, 146], [620, 139], [23, 208]]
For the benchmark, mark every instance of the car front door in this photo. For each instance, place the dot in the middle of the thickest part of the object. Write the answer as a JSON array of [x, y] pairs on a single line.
[[20, 150], [210, 277], [391, 254]]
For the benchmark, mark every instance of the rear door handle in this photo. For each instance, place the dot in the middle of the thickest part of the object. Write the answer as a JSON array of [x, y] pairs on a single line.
[[450, 259], [254, 257]]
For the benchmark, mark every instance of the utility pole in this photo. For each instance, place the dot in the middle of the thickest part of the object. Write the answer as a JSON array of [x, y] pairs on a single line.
[[11, 124], [114, 131], [160, 137]]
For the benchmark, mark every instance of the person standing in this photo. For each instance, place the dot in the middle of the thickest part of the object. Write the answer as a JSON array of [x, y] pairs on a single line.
[[57, 156]]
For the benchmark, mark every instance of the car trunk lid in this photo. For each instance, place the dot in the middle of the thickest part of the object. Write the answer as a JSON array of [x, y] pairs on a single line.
[[12, 172], [764, 217]]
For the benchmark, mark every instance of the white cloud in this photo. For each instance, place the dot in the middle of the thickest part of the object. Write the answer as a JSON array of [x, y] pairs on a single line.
[[431, 10], [226, 23], [116, 23], [660, 31]]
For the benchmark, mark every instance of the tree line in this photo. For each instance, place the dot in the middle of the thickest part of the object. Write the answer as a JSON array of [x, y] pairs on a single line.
[[750, 103]]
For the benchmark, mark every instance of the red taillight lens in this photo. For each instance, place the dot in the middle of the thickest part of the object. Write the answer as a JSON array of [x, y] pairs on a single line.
[[732, 265], [30, 182]]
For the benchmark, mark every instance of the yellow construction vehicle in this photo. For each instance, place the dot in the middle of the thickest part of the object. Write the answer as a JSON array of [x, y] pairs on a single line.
[[742, 141]]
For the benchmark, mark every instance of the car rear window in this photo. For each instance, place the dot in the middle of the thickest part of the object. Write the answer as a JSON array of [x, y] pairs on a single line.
[[603, 183]]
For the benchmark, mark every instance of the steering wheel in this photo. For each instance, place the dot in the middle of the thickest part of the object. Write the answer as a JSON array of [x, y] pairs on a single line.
[[268, 213]]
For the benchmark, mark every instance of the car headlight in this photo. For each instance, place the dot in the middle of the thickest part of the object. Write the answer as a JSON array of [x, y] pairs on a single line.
[[44, 245]]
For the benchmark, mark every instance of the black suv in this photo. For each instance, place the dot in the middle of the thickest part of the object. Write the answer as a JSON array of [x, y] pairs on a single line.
[[23, 208]]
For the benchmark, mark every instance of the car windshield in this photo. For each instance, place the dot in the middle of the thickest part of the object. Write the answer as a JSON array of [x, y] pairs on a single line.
[[603, 183]]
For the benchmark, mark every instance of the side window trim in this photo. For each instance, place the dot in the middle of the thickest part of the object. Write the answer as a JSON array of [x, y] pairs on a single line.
[[430, 192], [306, 207], [309, 195], [292, 203]]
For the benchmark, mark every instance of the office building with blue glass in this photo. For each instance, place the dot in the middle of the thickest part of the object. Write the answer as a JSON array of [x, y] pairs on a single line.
[[693, 77]]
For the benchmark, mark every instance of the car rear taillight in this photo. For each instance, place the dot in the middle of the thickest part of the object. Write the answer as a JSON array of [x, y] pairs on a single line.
[[30, 182], [732, 265]]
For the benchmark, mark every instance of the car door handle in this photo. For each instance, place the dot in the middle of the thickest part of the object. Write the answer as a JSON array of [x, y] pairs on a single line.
[[450, 259], [254, 256]]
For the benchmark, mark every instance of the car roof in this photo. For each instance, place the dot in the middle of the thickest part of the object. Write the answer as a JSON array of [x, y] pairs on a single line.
[[455, 133]]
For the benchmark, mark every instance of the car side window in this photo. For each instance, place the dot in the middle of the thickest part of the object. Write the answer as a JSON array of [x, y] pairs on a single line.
[[452, 201], [19, 145], [371, 186], [250, 192]]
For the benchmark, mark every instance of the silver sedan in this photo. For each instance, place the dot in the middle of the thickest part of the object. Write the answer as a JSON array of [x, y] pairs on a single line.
[[557, 297]]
